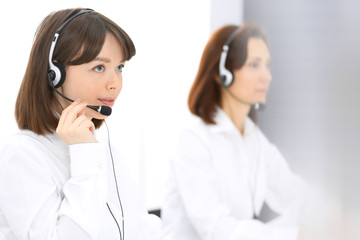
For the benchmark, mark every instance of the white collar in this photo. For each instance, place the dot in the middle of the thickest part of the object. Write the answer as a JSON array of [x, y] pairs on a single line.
[[224, 124]]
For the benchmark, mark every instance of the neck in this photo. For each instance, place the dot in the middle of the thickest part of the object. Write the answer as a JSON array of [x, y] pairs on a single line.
[[236, 111]]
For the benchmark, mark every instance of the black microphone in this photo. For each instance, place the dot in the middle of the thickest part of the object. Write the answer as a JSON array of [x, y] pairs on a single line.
[[104, 110]]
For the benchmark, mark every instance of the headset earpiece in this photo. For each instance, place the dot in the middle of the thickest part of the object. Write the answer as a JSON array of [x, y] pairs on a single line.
[[226, 76], [226, 80], [57, 74]]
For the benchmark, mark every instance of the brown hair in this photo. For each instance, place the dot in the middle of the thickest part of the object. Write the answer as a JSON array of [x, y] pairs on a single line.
[[79, 42], [205, 92]]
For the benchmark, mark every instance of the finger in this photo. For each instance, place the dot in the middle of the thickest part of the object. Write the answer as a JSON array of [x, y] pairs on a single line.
[[68, 116], [78, 121], [82, 112], [82, 125], [71, 113], [65, 111], [89, 125]]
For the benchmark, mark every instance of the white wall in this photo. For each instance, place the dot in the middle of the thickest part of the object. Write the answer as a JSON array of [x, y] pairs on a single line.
[[169, 37], [226, 12]]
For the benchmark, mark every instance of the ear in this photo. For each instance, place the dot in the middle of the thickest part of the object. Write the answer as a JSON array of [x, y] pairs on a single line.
[[217, 78]]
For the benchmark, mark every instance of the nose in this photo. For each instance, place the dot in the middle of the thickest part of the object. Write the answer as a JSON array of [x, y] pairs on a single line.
[[114, 81], [266, 75]]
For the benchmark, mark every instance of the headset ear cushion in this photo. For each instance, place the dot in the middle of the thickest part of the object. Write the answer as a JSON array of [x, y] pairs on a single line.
[[226, 78], [62, 74], [231, 80], [223, 80]]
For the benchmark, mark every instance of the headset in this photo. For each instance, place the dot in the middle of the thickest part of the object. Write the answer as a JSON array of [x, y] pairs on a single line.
[[56, 76], [226, 76]]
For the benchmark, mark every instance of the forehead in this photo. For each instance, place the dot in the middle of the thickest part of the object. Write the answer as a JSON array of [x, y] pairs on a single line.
[[112, 48], [257, 48]]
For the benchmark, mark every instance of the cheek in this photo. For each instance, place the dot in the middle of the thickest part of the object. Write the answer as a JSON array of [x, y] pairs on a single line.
[[87, 92], [78, 89], [245, 82]]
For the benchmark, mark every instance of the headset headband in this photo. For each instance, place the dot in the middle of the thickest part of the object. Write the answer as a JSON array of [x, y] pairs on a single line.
[[226, 76], [56, 73]]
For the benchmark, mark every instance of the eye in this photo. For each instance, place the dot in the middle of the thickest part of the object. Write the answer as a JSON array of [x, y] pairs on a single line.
[[120, 67], [99, 68], [254, 65]]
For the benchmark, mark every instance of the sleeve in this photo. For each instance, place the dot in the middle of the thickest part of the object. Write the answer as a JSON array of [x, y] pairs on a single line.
[[285, 190], [198, 187], [32, 203], [147, 226]]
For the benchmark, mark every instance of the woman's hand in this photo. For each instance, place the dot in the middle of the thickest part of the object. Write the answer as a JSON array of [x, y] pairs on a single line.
[[74, 126]]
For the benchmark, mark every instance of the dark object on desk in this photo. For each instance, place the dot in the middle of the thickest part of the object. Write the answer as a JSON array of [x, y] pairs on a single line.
[[156, 212], [266, 214]]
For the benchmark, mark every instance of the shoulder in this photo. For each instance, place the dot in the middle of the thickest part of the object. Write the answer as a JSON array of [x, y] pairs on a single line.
[[195, 128], [22, 140], [193, 140], [23, 145], [23, 154]]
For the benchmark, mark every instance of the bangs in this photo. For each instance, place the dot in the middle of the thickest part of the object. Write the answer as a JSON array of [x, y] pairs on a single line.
[[81, 44], [239, 52], [82, 40]]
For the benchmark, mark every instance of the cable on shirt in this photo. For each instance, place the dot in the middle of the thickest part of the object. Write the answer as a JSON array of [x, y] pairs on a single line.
[[122, 235]]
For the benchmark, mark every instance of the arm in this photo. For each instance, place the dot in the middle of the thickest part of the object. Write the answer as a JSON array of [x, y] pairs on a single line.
[[31, 201], [198, 186], [285, 190], [33, 204], [84, 193]]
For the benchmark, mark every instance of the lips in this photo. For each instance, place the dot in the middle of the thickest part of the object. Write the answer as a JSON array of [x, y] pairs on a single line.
[[263, 90], [107, 101]]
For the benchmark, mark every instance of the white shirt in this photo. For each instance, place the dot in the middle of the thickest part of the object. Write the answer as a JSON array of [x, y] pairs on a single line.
[[49, 190], [219, 178]]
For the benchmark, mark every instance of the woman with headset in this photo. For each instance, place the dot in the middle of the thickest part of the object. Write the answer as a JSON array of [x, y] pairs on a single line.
[[224, 171], [57, 181]]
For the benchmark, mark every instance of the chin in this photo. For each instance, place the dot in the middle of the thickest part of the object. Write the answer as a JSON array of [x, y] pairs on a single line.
[[262, 100]]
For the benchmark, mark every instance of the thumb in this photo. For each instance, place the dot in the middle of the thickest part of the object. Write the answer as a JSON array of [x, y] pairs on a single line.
[[91, 127]]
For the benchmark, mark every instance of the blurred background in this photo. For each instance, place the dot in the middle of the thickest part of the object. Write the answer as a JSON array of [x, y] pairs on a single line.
[[312, 113]]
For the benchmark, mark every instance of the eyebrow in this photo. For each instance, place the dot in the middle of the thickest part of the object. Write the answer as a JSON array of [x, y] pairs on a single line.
[[102, 59], [257, 59]]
